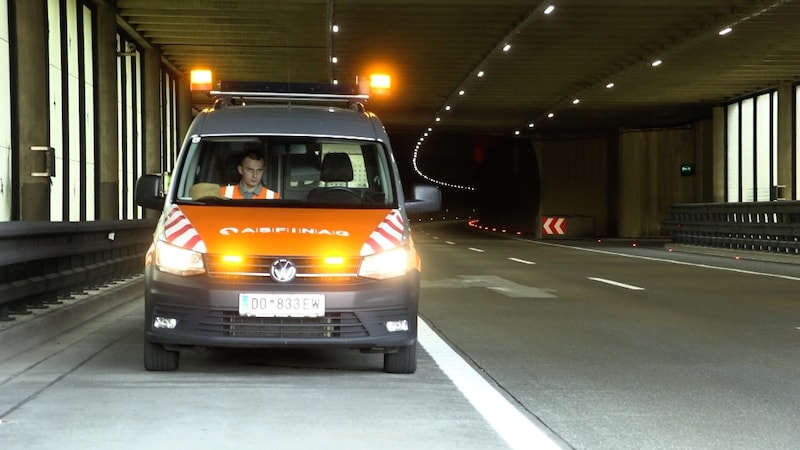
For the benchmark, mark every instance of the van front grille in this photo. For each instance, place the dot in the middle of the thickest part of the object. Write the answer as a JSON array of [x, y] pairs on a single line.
[[222, 323], [334, 325]]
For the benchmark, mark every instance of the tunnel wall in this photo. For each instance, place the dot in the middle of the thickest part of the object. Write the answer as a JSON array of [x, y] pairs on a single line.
[[617, 183], [625, 181], [575, 178]]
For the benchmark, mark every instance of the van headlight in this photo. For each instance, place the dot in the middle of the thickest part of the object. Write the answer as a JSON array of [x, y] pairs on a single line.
[[388, 264], [177, 260]]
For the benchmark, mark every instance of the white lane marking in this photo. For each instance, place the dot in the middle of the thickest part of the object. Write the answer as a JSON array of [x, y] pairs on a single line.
[[650, 258], [515, 428], [618, 284], [476, 250], [523, 261], [450, 242]]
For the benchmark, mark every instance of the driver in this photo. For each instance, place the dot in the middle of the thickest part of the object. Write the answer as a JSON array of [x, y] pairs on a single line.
[[251, 168]]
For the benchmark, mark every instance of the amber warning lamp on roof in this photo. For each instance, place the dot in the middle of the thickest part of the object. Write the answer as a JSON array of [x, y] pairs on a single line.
[[200, 80], [380, 84]]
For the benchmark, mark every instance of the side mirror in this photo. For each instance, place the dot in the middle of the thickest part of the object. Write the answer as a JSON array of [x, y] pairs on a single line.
[[427, 198], [150, 191]]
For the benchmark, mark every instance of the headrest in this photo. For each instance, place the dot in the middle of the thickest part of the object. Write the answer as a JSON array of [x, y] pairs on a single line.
[[336, 167]]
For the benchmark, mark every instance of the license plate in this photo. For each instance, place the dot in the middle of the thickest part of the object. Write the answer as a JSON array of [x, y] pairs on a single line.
[[281, 305]]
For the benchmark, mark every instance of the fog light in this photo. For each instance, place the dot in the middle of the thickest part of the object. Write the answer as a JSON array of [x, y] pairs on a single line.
[[165, 322], [397, 325]]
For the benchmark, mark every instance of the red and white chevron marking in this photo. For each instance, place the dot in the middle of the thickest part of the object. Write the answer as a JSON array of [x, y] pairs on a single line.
[[387, 236], [554, 225], [179, 232]]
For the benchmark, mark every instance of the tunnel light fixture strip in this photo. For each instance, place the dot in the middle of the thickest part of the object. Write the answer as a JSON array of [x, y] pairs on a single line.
[[656, 62], [504, 47]]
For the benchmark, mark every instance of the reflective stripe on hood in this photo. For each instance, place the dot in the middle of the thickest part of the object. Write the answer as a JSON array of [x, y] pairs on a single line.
[[179, 231]]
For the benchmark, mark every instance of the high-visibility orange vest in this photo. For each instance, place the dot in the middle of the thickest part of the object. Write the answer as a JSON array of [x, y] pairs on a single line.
[[233, 191]]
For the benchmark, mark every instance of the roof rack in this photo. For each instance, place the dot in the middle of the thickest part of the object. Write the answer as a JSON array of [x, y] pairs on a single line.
[[312, 92]]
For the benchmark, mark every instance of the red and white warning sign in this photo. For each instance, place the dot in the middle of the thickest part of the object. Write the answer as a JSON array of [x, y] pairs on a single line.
[[554, 225]]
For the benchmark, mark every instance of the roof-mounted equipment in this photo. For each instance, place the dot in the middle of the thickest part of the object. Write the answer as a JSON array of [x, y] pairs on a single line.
[[282, 91]]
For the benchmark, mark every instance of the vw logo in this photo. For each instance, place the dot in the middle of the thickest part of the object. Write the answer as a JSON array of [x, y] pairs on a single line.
[[283, 270]]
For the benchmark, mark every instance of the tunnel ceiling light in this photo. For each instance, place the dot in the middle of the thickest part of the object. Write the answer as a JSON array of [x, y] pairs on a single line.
[[610, 85], [516, 132], [531, 125], [447, 108], [334, 59], [725, 31], [576, 101], [656, 63], [535, 14], [335, 28], [550, 115]]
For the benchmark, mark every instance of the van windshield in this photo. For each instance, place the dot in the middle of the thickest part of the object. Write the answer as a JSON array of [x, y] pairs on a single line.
[[285, 171]]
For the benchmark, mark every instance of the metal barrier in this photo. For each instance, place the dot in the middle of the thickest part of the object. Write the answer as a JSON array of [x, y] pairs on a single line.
[[43, 262], [771, 227]]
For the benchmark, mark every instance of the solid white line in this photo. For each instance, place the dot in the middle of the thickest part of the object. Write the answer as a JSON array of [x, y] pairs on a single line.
[[618, 284], [515, 428], [522, 261], [476, 250]]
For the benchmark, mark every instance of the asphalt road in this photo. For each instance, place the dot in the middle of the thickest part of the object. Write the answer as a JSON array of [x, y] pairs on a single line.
[[618, 346], [589, 345]]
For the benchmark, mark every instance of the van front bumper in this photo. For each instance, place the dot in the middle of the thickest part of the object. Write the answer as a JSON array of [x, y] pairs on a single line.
[[206, 313]]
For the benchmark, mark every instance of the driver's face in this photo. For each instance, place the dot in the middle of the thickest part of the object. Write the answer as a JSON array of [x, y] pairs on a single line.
[[251, 171]]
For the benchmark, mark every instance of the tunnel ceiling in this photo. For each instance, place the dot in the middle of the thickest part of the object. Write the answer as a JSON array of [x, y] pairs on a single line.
[[435, 48]]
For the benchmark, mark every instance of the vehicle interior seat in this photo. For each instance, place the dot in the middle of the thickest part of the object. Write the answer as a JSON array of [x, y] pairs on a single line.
[[304, 175], [336, 172]]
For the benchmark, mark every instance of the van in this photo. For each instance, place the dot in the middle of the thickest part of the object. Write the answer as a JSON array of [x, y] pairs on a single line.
[[283, 224]]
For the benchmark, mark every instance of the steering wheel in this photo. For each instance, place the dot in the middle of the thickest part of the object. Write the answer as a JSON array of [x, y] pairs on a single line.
[[335, 195]]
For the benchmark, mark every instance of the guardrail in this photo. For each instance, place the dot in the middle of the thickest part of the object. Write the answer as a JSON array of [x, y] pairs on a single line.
[[769, 227], [42, 263]]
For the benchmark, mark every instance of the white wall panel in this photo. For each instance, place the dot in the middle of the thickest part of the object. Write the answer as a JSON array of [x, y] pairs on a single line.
[[5, 116], [732, 149], [89, 117], [747, 150], [796, 142], [56, 114], [764, 150]]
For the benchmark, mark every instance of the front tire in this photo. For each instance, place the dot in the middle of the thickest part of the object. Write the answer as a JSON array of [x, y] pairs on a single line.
[[159, 359], [404, 360]]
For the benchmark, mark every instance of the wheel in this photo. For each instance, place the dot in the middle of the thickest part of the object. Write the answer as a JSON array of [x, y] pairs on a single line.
[[404, 360], [158, 358]]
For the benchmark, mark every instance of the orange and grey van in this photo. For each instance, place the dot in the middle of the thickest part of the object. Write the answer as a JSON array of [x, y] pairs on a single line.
[[320, 256]]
